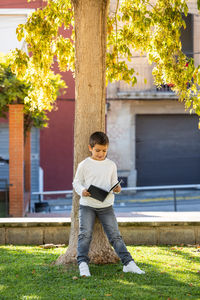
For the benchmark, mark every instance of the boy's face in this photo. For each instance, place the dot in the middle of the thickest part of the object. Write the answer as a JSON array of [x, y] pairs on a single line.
[[98, 152]]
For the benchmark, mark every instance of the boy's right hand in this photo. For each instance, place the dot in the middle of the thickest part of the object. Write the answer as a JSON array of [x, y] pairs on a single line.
[[85, 193]]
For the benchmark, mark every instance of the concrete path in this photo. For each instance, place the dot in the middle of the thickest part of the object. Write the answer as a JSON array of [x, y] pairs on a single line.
[[132, 216]]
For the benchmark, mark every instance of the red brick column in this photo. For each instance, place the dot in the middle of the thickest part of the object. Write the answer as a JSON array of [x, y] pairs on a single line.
[[16, 160]]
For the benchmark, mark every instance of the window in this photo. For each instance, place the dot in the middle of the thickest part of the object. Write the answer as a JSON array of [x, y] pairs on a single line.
[[187, 36]]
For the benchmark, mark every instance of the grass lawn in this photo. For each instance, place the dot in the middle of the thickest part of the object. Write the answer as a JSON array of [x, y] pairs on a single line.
[[171, 273]]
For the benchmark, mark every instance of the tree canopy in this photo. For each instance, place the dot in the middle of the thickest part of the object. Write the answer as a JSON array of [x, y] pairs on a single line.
[[15, 90], [150, 27]]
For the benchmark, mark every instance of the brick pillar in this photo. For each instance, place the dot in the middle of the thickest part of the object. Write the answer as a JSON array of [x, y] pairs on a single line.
[[16, 160]]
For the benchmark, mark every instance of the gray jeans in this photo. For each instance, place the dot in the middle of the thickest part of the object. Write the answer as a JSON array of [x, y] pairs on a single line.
[[108, 220]]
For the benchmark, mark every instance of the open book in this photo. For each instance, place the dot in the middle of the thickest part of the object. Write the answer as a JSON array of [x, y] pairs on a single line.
[[100, 194]]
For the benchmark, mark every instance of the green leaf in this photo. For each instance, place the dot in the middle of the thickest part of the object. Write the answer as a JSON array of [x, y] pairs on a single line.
[[198, 4]]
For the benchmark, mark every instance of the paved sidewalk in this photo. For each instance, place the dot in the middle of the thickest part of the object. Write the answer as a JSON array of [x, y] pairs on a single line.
[[133, 216]]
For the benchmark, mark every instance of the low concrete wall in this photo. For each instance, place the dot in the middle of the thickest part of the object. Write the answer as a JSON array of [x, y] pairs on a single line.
[[34, 231], [38, 231]]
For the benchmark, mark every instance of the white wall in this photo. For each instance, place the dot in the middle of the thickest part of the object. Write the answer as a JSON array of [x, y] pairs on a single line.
[[9, 20]]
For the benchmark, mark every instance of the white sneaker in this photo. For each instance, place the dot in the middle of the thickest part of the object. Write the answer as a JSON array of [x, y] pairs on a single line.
[[133, 268], [84, 269]]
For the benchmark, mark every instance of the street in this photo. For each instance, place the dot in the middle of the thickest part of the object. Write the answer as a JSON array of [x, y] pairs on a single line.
[[163, 200], [182, 201], [168, 205]]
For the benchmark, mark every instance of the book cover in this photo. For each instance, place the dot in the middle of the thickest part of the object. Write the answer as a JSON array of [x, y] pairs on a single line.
[[99, 193]]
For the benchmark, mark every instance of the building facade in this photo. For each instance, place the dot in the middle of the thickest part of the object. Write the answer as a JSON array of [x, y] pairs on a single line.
[[154, 140], [52, 147]]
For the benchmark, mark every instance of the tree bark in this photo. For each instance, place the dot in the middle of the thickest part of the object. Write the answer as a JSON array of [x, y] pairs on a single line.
[[90, 45]]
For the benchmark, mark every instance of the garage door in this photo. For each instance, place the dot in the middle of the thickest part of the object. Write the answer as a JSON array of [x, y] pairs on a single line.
[[167, 149]]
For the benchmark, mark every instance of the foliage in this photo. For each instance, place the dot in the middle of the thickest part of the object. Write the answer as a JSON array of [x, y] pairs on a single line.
[[155, 29], [12, 90], [150, 27], [15, 90], [171, 273], [41, 33]]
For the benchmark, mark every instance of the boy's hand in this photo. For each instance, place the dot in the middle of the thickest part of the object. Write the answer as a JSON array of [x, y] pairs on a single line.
[[85, 193], [117, 189]]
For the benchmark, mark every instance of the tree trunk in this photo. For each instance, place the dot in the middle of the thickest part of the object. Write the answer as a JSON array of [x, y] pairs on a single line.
[[90, 42]]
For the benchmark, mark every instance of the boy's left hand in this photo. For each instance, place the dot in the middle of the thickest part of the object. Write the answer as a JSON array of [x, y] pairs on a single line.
[[117, 189]]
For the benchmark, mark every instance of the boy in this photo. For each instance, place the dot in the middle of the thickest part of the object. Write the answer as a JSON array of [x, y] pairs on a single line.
[[102, 172]]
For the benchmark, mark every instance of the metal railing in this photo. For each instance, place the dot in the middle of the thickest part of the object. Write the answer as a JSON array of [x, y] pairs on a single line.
[[173, 188]]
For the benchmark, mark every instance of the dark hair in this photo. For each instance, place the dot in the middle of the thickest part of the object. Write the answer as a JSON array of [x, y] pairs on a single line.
[[98, 137]]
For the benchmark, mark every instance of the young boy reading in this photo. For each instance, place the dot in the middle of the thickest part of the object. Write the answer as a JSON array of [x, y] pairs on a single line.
[[100, 172]]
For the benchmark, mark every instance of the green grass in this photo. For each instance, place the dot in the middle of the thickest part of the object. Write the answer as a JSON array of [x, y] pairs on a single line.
[[171, 273]]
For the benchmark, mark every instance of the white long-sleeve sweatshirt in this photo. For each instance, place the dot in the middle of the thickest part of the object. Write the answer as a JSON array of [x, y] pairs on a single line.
[[102, 173]]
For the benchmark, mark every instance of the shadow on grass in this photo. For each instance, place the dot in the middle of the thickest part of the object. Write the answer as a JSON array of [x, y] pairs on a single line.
[[27, 273]]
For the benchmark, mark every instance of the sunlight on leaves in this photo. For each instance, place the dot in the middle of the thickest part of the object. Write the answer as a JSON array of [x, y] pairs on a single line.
[[135, 26]]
